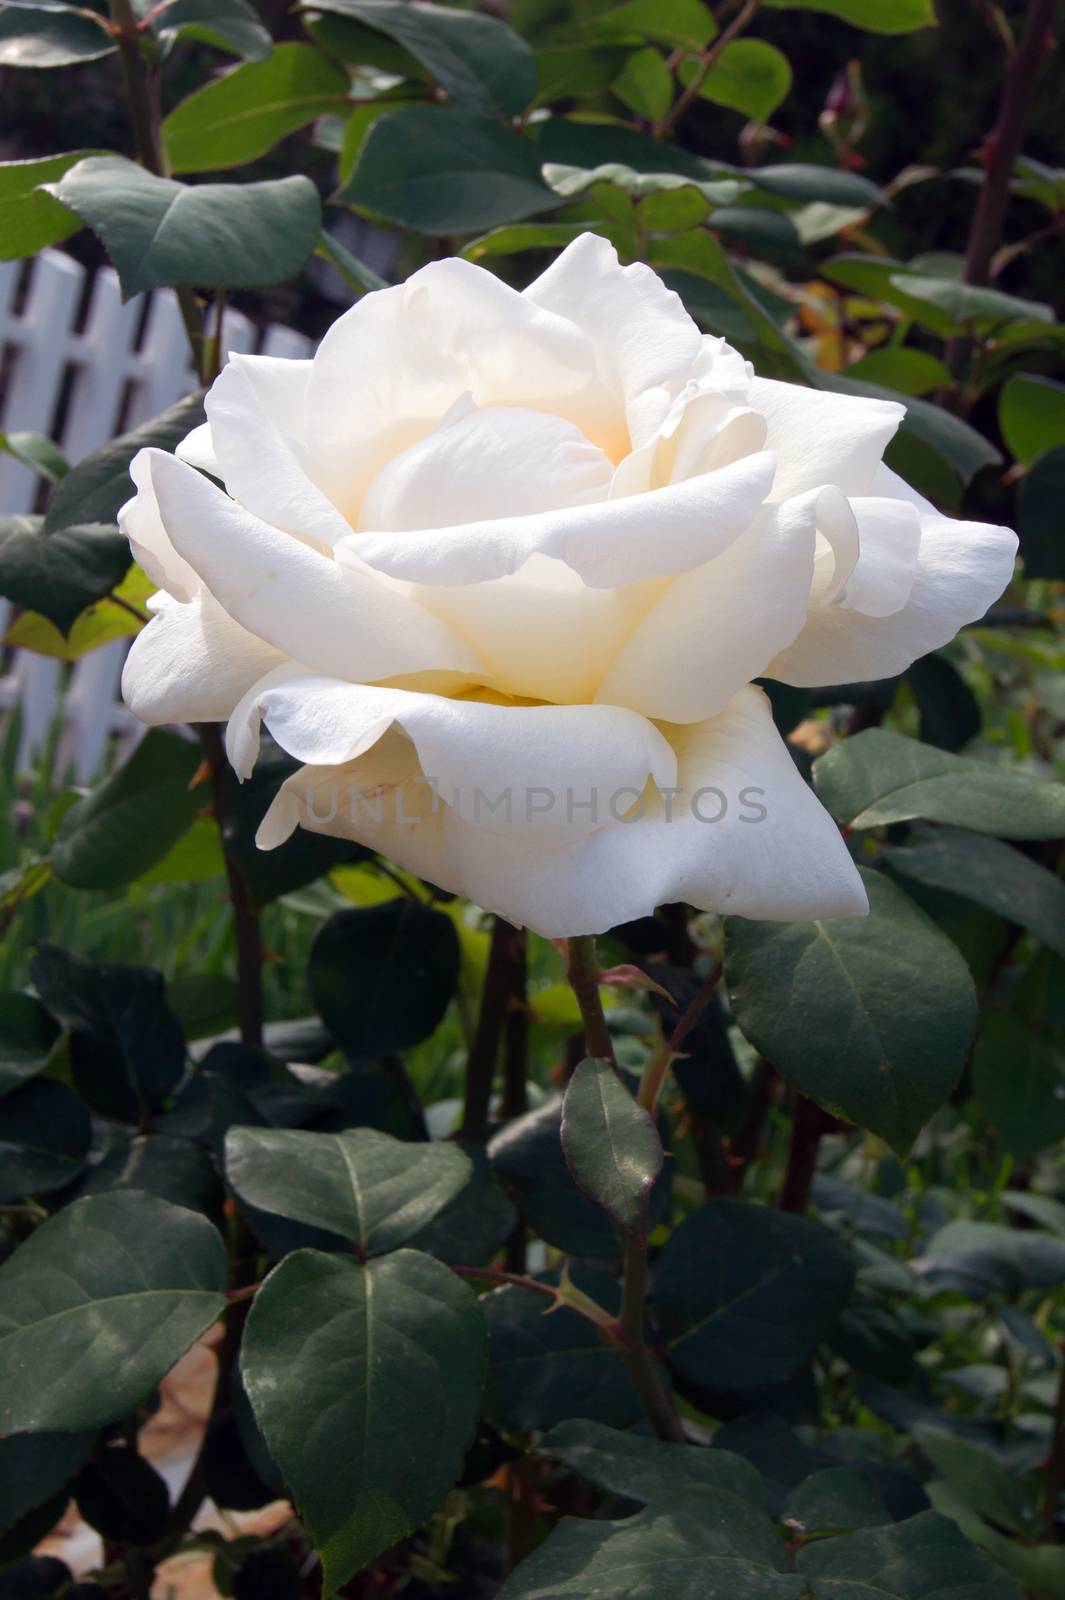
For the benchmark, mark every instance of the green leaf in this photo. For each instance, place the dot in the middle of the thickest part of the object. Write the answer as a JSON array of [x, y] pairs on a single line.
[[445, 171], [102, 841], [383, 976], [59, 573], [98, 1304], [646, 1470], [1039, 517], [835, 1500], [709, 1543], [802, 180], [127, 1049], [29, 218], [45, 1135], [743, 1295], [387, 1354], [34, 1467], [749, 76], [943, 304], [355, 273], [237, 117], [645, 84], [121, 1495], [45, 33], [1019, 1082], [879, 777], [924, 1558], [476, 59], [366, 1187], [874, 16], [158, 232], [983, 1258], [548, 1368], [94, 490], [984, 1483], [950, 713], [528, 1159], [230, 25], [611, 1144], [27, 1034], [526, 236], [1031, 414], [910, 372], [821, 1001], [681, 24], [990, 872], [171, 1169], [36, 451]]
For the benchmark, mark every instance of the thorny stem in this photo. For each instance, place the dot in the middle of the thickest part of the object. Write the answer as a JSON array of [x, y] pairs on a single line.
[[495, 1006], [706, 61], [809, 1124], [1004, 147], [582, 969], [655, 1071], [245, 915]]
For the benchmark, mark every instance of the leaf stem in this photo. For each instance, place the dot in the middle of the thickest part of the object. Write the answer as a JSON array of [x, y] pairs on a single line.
[[809, 1124], [655, 1071], [707, 59]]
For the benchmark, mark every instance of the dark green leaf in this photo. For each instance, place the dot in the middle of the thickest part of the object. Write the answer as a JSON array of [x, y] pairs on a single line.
[[157, 231], [103, 843], [445, 171], [100, 483], [550, 1366], [1040, 519], [528, 1160], [44, 1138], [469, 1230], [645, 1470], [37, 1578], [1019, 1082], [242, 115], [984, 1483], [611, 1144], [982, 1258], [835, 1500], [35, 1467], [709, 1543], [171, 1169], [127, 1048], [743, 1295], [926, 1558], [98, 1304], [476, 59], [994, 874], [121, 1495], [227, 24], [879, 777], [1031, 414], [364, 1186], [388, 1353], [950, 712], [45, 33], [821, 1001], [27, 1034], [383, 976], [801, 180], [59, 573], [749, 76]]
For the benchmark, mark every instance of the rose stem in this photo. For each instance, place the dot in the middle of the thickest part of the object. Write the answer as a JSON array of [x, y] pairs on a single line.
[[707, 58], [484, 1051], [145, 121], [582, 968], [809, 1124], [515, 1071]]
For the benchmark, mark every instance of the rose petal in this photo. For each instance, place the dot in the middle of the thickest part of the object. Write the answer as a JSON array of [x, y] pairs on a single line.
[[823, 438], [149, 542], [192, 663]]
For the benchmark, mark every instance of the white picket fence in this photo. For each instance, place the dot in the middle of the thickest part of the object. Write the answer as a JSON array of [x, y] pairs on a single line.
[[78, 365]]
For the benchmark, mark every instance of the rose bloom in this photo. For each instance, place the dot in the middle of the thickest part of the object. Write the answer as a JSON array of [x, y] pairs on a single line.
[[498, 570]]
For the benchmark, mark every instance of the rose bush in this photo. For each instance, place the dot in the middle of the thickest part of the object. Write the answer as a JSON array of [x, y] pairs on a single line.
[[499, 570]]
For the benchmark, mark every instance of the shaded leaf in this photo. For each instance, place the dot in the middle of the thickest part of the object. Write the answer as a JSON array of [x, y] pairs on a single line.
[[610, 1143], [45, 33], [925, 1558], [646, 1470], [59, 573], [100, 483], [44, 1139]]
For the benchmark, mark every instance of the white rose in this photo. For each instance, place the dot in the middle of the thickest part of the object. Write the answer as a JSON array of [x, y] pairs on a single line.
[[536, 546]]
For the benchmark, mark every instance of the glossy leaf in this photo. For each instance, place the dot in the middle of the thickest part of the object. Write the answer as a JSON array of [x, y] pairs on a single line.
[[158, 232], [709, 1542], [366, 1187], [383, 976], [646, 1470], [102, 841], [821, 1001], [59, 573], [879, 777], [926, 1558], [475, 58], [242, 115], [98, 1304], [611, 1143], [45, 33], [528, 1159], [99, 484], [743, 1294], [231, 25], [445, 171], [387, 1353]]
